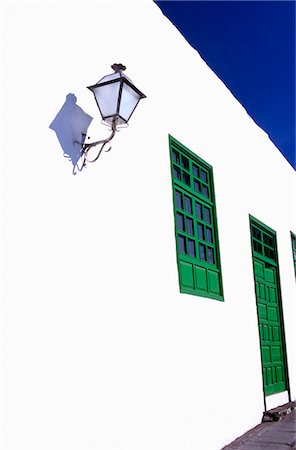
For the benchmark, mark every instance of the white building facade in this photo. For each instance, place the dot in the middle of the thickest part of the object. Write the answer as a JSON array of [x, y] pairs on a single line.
[[131, 314]]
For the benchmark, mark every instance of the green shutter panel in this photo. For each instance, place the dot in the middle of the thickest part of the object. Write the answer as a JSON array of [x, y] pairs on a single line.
[[195, 224]]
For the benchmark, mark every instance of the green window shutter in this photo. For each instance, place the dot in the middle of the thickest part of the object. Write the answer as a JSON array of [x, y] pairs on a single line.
[[293, 240], [196, 230]]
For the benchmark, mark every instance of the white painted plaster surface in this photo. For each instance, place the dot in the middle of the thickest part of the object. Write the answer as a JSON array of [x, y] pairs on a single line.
[[100, 350], [272, 401]]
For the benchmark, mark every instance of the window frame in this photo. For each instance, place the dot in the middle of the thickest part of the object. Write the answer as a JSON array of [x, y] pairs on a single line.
[[197, 197]]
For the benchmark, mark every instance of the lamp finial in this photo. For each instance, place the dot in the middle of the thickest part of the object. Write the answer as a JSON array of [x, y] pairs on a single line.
[[118, 67]]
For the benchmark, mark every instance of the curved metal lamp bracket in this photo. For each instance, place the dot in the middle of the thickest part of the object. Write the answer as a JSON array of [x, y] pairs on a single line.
[[85, 148]]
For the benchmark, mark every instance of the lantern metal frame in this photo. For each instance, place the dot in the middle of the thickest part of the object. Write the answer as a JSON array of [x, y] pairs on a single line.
[[117, 120]]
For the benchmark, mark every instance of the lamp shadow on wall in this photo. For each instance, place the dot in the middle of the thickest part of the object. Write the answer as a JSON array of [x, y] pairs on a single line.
[[70, 125]]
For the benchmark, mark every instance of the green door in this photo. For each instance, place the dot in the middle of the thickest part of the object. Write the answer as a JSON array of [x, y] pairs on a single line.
[[268, 298]]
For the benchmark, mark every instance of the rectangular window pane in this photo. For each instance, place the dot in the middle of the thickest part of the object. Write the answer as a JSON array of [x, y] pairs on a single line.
[[257, 246], [195, 170], [207, 215], [200, 232], [182, 244], [189, 224], [188, 205], [180, 222], [204, 176], [185, 163], [256, 233], [209, 235], [205, 190], [176, 157], [196, 185], [202, 252], [191, 248], [186, 178], [198, 210], [178, 200], [269, 252], [267, 240], [177, 173], [211, 259]]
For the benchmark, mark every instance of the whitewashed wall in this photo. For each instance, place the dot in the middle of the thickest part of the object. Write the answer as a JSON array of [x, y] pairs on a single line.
[[99, 348]]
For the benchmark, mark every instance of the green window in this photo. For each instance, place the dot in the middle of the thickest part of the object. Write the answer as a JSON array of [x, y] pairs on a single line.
[[293, 240], [195, 223]]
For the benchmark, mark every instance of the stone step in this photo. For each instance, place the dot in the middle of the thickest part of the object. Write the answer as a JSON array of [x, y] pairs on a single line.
[[275, 414]]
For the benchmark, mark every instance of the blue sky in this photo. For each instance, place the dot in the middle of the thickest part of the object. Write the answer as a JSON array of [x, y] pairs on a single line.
[[250, 45]]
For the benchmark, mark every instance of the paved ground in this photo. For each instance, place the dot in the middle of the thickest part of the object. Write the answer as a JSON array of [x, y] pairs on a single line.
[[280, 435]]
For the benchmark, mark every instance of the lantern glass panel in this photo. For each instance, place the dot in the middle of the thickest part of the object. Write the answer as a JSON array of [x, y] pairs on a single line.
[[112, 76], [107, 98], [128, 102]]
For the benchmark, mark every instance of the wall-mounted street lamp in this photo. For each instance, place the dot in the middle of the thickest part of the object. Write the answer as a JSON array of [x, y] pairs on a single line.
[[117, 98]]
